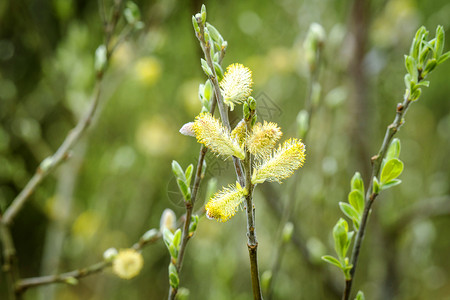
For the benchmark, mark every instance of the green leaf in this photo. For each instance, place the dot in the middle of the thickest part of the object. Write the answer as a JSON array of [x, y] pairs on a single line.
[[440, 41], [443, 57], [390, 184], [332, 260], [177, 238], [208, 90], [219, 71], [357, 183], [167, 237], [407, 79], [416, 94], [356, 199], [188, 174], [340, 231], [349, 211], [431, 64], [206, 68], [360, 296], [215, 35], [411, 66], [394, 149], [185, 190], [178, 171], [173, 276], [391, 170]]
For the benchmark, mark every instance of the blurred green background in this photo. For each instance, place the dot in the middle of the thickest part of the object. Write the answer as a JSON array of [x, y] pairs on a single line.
[[119, 180]]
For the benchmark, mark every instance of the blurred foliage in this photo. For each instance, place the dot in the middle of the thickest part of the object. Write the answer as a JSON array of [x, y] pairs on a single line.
[[121, 179]]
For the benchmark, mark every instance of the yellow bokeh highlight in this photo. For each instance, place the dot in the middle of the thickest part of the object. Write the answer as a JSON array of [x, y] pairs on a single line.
[[148, 70]]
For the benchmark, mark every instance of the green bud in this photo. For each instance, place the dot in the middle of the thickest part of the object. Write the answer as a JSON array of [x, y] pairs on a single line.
[[316, 92], [193, 225], [288, 229], [416, 94], [132, 13], [195, 24], [173, 276], [100, 58], [340, 236], [376, 186], [360, 296], [188, 174], [71, 280], [203, 14], [246, 111], [357, 183], [46, 164], [224, 45], [252, 103]]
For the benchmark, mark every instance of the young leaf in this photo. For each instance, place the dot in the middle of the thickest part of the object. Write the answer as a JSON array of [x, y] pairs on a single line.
[[356, 199], [357, 183], [360, 296], [390, 184], [188, 174], [394, 149], [331, 260], [349, 211], [184, 190], [391, 170], [178, 171], [340, 231], [443, 57]]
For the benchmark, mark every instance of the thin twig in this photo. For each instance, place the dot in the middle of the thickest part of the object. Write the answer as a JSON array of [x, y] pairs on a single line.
[[190, 205], [252, 242], [370, 197], [67, 277]]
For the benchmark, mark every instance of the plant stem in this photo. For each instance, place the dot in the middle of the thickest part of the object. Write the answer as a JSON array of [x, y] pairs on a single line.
[[252, 242], [190, 205], [370, 197], [27, 283], [220, 104]]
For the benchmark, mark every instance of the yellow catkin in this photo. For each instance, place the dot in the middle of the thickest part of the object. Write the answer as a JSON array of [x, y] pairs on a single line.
[[128, 263], [239, 132], [236, 85], [224, 204], [282, 163], [263, 138], [216, 137]]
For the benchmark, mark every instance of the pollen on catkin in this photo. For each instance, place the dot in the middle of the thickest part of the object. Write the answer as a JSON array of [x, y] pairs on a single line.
[[128, 263], [224, 204], [216, 137], [236, 85], [282, 163], [263, 138], [239, 132]]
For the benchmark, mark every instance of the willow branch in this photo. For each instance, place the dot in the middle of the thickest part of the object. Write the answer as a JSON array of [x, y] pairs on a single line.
[[370, 197], [190, 205], [68, 277]]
